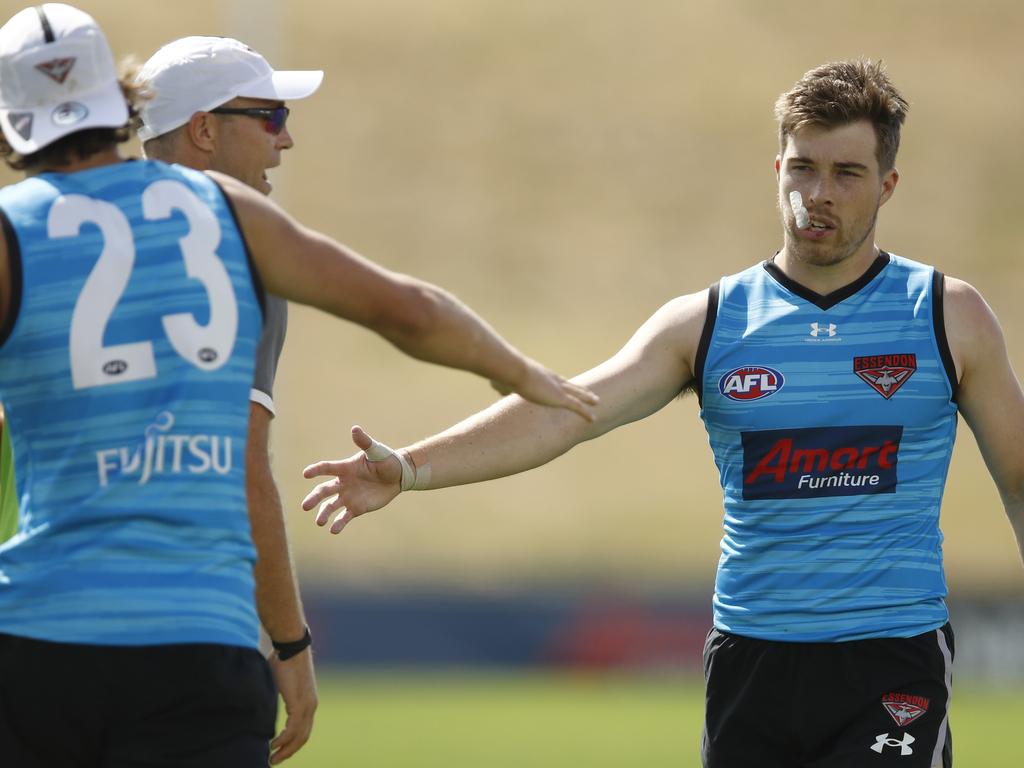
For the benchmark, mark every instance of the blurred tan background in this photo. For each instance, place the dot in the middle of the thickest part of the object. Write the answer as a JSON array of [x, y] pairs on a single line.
[[565, 167]]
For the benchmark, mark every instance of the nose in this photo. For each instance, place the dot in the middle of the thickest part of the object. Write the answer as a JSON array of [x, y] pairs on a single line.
[[284, 139], [820, 191]]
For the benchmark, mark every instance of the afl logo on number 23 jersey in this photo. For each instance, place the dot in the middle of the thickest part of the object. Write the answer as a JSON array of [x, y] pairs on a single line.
[[751, 382]]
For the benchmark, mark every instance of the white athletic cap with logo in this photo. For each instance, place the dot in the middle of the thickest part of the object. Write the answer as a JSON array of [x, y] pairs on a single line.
[[197, 74], [57, 76]]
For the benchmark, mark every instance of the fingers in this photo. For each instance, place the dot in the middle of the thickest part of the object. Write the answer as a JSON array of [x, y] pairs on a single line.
[[580, 399], [327, 508], [319, 493], [321, 468], [362, 440], [341, 521], [287, 743]]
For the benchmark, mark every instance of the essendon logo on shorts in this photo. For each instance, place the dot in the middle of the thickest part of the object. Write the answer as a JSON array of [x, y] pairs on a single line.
[[820, 461], [904, 708], [885, 373], [751, 382]]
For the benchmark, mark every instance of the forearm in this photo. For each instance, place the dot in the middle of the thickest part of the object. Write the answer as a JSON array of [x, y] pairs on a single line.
[[277, 592], [1015, 512], [447, 332], [511, 436]]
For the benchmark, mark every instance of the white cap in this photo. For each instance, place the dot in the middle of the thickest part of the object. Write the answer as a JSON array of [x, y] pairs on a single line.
[[57, 76], [197, 74]]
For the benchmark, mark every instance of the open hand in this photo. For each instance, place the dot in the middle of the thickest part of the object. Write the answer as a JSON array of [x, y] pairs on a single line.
[[357, 485]]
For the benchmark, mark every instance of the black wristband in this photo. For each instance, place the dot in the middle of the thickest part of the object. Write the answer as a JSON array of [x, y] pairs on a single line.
[[286, 650]]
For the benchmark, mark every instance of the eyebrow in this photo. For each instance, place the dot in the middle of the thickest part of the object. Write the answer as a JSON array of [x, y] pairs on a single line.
[[844, 165]]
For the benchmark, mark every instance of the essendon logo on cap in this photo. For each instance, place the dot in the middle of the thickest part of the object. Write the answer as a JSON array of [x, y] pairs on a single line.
[[57, 69], [904, 708], [885, 373], [21, 122], [820, 461], [751, 382]]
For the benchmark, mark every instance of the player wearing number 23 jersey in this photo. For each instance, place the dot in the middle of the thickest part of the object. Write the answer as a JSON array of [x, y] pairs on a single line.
[[126, 373]]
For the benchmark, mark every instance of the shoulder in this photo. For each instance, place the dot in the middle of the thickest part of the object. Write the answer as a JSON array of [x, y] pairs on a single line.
[[678, 324], [972, 327], [685, 313], [964, 305]]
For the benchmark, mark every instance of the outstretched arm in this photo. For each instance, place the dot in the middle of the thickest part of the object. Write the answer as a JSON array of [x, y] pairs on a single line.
[[990, 396], [421, 319], [514, 435]]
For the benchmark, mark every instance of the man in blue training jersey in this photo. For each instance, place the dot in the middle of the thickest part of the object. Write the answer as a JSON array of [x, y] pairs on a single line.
[[215, 104], [131, 301], [829, 379]]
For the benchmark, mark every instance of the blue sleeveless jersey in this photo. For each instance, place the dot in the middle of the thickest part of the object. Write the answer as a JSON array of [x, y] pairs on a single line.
[[832, 421], [125, 377]]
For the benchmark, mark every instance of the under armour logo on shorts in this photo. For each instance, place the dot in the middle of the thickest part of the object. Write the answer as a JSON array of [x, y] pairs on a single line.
[[883, 741]]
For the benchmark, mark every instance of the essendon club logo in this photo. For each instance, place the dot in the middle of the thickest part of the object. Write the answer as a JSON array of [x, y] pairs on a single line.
[[57, 69], [904, 708], [820, 461], [885, 373], [751, 382]]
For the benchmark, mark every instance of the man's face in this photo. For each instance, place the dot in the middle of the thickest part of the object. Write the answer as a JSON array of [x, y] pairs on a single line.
[[245, 148], [836, 172]]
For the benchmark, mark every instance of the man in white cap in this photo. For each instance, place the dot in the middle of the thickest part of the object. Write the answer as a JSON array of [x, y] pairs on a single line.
[[216, 104], [130, 312]]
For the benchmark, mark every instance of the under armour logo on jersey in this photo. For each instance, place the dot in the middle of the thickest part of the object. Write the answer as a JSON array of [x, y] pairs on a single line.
[[882, 741], [57, 69], [823, 330]]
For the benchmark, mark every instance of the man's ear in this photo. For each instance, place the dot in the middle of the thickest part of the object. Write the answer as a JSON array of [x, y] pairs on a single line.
[[202, 131], [889, 179]]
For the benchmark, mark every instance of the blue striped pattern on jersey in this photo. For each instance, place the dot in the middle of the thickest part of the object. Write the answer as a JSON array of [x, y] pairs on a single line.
[[832, 425], [132, 492]]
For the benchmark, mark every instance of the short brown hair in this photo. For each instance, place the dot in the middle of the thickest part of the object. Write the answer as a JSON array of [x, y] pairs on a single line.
[[82, 144], [844, 92]]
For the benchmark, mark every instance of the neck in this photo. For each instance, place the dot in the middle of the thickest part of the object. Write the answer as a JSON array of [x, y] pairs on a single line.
[[823, 279], [103, 157]]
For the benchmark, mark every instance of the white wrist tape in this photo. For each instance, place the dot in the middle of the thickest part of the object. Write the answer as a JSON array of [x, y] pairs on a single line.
[[380, 452], [796, 202]]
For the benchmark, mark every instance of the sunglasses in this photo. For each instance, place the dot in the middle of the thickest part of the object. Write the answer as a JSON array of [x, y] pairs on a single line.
[[274, 117]]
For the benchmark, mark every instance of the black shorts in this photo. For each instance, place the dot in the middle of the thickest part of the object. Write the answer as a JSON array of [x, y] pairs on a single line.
[[66, 705], [862, 703]]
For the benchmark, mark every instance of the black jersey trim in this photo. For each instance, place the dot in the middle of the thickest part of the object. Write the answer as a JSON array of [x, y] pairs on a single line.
[[939, 324], [829, 300], [14, 260], [705, 343], [257, 283]]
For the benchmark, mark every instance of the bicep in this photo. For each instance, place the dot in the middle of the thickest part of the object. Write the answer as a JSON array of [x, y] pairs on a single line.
[[653, 367], [989, 393], [308, 267]]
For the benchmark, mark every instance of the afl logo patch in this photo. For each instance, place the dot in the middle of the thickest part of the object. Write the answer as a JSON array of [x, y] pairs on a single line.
[[115, 367], [207, 355], [751, 382]]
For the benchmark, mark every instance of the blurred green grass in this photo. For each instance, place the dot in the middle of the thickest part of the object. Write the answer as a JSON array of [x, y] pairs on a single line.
[[450, 720]]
